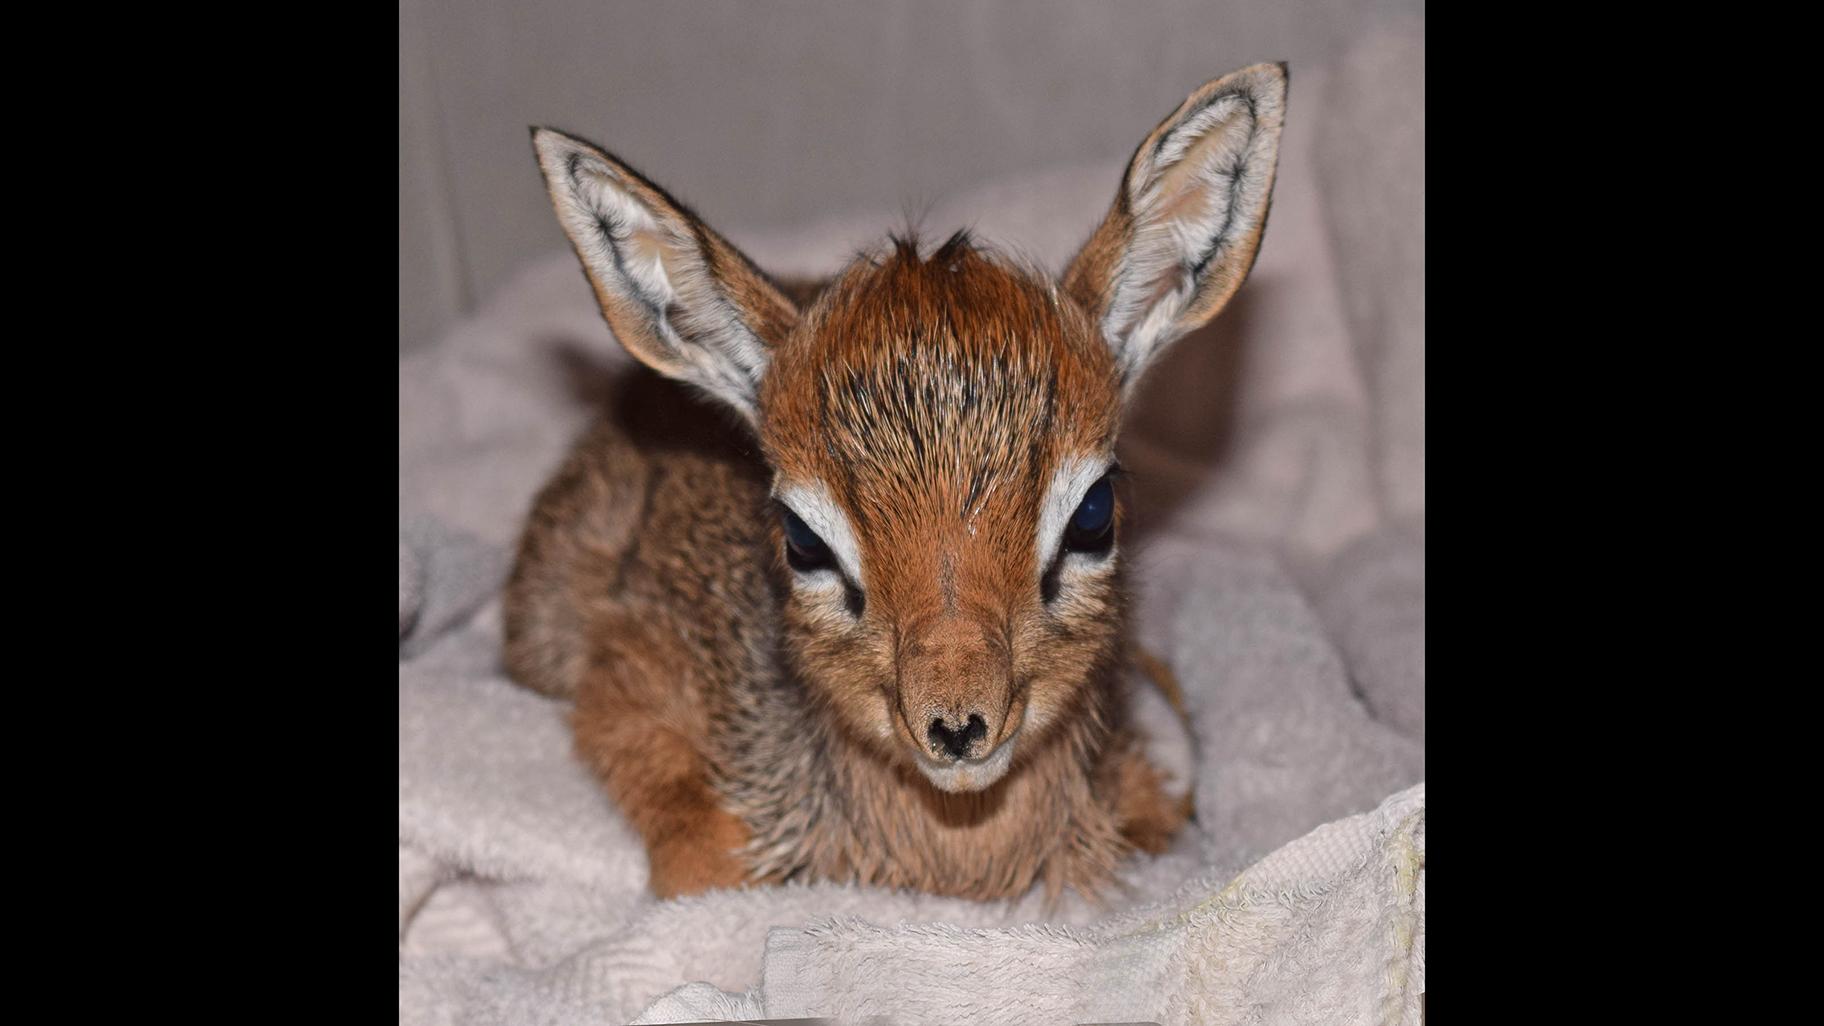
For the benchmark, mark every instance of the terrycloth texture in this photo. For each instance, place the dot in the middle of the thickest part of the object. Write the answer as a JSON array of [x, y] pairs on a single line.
[[445, 575], [1280, 570], [1328, 929]]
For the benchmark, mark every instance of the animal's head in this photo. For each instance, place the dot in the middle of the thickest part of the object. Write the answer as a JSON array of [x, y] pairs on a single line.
[[942, 427]]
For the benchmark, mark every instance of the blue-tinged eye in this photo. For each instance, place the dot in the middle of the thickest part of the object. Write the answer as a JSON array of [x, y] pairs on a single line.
[[805, 552], [1096, 509], [1091, 526], [803, 549]]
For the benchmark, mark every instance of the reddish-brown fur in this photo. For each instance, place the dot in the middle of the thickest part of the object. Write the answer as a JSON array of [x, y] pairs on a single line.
[[754, 722], [656, 559]]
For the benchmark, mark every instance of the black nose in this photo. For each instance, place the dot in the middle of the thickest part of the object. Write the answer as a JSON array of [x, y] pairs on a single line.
[[956, 742]]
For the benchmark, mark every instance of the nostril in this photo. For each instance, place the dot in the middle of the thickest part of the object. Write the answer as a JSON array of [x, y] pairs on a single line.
[[956, 742], [944, 739], [975, 730]]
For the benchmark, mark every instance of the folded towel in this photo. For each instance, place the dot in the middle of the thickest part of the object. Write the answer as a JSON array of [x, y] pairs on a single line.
[[1328, 929]]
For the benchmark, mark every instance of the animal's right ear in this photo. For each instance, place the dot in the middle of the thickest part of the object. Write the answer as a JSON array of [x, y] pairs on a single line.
[[678, 296]]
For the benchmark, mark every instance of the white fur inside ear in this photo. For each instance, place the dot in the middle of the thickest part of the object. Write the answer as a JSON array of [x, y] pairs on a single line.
[[618, 235], [631, 225], [652, 260], [817, 508], [1195, 196], [1069, 482]]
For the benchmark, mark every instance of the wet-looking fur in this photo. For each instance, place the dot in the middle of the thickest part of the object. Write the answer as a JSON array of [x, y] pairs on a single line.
[[917, 683]]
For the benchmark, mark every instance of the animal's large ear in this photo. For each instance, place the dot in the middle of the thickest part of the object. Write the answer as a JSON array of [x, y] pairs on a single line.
[[1186, 224], [678, 296]]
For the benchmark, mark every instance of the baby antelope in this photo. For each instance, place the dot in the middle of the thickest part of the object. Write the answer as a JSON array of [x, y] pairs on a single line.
[[872, 627]]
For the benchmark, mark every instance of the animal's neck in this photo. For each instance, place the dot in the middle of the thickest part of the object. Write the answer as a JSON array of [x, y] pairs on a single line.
[[822, 801]]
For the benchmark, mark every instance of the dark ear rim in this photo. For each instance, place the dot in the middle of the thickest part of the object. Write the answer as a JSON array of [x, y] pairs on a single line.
[[1099, 276], [702, 312], [1199, 100], [686, 213]]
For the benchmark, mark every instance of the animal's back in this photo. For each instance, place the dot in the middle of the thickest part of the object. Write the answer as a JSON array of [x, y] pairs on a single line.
[[655, 519], [641, 594]]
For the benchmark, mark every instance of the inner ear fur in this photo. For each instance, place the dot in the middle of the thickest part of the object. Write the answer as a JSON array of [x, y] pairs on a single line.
[[678, 296], [1186, 223]]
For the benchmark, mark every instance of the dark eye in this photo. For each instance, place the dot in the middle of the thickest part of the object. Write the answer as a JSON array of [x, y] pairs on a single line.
[[805, 552], [1091, 527], [803, 549]]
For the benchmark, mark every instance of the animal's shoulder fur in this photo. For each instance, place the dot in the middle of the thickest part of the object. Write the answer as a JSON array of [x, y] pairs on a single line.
[[659, 514]]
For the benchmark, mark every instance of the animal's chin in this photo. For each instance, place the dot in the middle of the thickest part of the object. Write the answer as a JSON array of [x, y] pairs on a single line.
[[968, 775]]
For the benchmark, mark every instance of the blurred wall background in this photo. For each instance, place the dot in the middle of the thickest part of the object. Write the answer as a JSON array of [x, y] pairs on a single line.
[[762, 114]]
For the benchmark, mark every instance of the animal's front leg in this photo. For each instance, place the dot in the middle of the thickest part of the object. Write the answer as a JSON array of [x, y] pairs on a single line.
[[698, 851], [661, 782], [1148, 814], [641, 726], [1149, 817]]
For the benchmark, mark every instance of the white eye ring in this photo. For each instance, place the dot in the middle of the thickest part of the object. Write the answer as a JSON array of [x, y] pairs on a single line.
[[813, 504], [1070, 482]]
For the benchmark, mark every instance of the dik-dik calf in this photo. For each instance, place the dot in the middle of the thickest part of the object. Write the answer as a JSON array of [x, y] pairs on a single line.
[[872, 628]]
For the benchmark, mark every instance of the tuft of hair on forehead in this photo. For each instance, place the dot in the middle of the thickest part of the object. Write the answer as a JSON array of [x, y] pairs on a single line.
[[939, 379]]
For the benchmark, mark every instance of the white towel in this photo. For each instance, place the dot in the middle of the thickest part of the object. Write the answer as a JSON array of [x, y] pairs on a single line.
[[1329, 929]]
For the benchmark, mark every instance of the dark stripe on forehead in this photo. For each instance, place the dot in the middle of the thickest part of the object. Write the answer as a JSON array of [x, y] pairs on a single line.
[[934, 386]]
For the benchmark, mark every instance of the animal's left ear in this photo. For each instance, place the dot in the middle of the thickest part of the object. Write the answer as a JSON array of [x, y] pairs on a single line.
[[1186, 224]]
